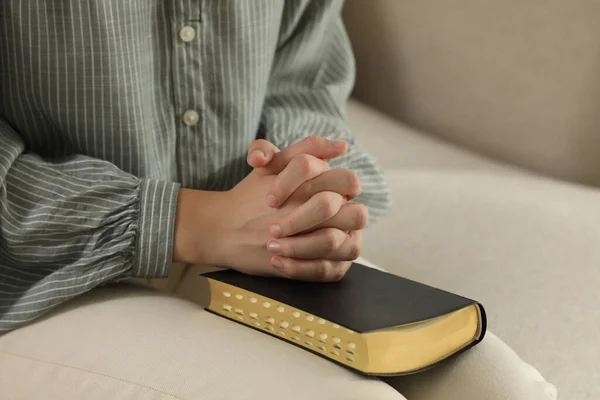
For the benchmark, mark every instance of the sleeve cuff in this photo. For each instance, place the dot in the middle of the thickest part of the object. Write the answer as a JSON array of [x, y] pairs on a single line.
[[157, 210]]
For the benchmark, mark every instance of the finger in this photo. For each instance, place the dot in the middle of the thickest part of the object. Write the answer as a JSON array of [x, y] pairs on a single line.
[[302, 168], [351, 217], [261, 153], [310, 246], [311, 270], [350, 249], [319, 208], [343, 181], [315, 146]]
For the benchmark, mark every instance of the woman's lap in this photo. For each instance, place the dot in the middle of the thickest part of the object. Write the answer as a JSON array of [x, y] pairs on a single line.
[[134, 343]]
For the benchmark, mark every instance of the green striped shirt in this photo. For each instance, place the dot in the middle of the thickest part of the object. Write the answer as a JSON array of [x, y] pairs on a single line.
[[108, 107]]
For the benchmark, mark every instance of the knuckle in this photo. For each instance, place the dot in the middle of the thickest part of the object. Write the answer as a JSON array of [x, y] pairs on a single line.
[[321, 269], [306, 164], [325, 207], [361, 216], [341, 270], [354, 184], [330, 240], [354, 251]]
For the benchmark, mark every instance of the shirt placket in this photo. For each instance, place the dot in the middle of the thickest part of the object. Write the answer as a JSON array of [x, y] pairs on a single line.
[[186, 24]]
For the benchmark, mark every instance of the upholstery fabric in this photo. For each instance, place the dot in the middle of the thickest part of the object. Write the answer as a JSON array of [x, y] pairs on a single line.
[[524, 245], [115, 343], [514, 79], [130, 343]]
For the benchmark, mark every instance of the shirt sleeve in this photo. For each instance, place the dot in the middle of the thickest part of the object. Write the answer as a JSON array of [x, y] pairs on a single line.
[[67, 226], [312, 76]]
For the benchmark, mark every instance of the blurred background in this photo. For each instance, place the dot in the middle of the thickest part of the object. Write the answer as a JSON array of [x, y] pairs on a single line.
[[484, 115]]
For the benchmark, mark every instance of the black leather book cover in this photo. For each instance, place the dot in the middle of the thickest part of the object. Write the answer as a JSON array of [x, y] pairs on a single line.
[[365, 300]]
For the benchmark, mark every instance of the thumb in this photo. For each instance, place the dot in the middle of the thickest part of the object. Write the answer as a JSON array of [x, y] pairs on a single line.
[[315, 146], [261, 153]]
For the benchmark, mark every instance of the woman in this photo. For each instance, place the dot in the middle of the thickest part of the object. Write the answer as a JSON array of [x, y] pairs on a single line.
[[124, 131]]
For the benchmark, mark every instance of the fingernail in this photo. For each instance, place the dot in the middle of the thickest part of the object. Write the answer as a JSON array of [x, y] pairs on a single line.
[[271, 201], [275, 230], [277, 263], [338, 144], [273, 245], [258, 153]]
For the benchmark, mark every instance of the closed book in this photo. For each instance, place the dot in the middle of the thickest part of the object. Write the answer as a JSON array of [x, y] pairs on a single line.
[[371, 321]]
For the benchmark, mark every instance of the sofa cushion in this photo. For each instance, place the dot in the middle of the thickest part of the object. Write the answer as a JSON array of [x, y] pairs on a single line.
[[137, 344], [398, 146], [527, 247], [127, 343], [516, 79]]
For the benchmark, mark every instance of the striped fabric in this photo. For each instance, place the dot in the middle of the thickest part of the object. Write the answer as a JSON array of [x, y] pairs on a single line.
[[107, 107]]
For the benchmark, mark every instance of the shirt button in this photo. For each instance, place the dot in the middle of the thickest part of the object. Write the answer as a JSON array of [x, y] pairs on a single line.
[[187, 33], [191, 117]]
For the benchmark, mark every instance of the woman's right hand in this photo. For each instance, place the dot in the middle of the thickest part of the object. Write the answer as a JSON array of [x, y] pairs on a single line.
[[233, 228]]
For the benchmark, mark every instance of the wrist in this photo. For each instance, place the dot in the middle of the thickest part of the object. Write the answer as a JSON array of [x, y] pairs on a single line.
[[198, 223]]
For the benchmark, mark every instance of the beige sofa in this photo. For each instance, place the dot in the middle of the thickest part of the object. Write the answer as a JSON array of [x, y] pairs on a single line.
[[485, 117], [482, 114]]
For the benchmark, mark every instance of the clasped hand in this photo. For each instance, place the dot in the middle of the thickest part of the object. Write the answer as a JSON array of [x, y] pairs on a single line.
[[290, 217], [299, 208]]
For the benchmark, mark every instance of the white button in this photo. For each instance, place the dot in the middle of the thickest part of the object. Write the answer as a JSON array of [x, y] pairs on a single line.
[[187, 33], [190, 117]]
